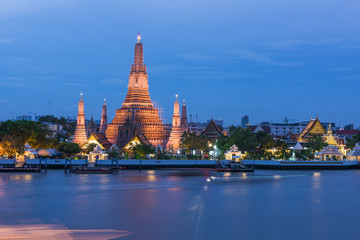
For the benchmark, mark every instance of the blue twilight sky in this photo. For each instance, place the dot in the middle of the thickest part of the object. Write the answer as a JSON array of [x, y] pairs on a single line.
[[228, 58]]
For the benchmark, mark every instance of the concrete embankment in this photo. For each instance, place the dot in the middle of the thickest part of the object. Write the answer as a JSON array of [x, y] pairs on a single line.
[[298, 165], [128, 164]]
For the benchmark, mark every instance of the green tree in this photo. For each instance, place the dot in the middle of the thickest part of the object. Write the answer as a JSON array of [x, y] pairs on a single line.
[[350, 143], [244, 139], [265, 142], [69, 148], [316, 143], [142, 149], [14, 135], [281, 149], [190, 141], [90, 147]]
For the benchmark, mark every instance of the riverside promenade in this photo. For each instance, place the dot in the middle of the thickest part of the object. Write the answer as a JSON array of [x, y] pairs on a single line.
[[164, 164]]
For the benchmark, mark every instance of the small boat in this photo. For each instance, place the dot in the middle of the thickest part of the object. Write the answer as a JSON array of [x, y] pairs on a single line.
[[234, 170], [98, 170], [234, 167]]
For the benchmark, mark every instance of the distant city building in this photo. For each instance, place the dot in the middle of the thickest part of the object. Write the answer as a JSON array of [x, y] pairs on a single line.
[[197, 128], [349, 126], [55, 129], [347, 133], [244, 121], [283, 129], [24, 117]]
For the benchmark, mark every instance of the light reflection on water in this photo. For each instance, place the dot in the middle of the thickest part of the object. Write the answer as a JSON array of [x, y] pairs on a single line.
[[188, 205]]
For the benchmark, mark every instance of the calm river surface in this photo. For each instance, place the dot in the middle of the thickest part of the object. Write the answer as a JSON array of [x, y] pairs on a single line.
[[187, 205]]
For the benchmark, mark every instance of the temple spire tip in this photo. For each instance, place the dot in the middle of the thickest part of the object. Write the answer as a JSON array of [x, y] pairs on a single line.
[[139, 37]]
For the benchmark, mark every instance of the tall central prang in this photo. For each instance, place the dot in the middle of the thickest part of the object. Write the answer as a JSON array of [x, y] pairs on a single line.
[[137, 113]]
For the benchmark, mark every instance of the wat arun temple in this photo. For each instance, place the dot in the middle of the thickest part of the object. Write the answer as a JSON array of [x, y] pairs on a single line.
[[137, 115]]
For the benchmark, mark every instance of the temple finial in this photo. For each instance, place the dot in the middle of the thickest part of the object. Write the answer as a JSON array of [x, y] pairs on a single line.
[[104, 101], [184, 101], [81, 95], [139, 37], [176, 97]]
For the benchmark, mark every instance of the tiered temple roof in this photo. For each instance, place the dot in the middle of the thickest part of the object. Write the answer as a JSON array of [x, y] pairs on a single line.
[[99, 139], [212, 131], [314, 128]]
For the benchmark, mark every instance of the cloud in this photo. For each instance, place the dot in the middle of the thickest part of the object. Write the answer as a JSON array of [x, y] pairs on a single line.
[[7, 40], [294, 44], [113, 81], [197, 57], [349, 77], [15, 82], [11, 8], [176, 67], [244, 54], [343, 69], [20, 64]]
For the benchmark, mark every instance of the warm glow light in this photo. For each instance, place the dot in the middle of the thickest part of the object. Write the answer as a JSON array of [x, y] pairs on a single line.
[[139, 37], [151, 178], [316, 174], [43, 232]]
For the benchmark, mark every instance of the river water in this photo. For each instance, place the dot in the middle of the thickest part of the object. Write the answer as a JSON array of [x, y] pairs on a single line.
[[167, 204]]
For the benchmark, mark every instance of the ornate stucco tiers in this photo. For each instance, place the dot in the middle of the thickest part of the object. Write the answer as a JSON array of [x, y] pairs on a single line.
[[184, 122], [104, 120], [80, 131], [176, 130], [137, 113]]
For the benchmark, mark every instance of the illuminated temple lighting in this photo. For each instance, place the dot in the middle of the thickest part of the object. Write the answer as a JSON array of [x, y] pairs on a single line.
[[137, 113], [176, 131], [80, 131]]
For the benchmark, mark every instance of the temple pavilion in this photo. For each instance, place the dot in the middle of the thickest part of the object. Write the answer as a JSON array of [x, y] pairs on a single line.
[[354, 154], [331, 153]]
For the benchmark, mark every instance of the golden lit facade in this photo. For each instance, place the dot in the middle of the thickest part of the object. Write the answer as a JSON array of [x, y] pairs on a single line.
[[80, 131], [314, 128], [137, 114], [176, 130]]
